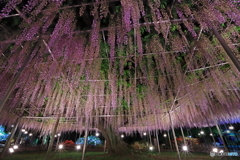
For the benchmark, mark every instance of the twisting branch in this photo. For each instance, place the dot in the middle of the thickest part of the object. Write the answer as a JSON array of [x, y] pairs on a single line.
[[22, 15]]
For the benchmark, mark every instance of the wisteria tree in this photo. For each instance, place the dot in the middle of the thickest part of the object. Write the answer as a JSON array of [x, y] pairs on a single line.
[[118, 65]]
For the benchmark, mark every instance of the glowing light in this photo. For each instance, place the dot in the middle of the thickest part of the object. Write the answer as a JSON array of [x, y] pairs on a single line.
[[30, 134], [144, 133], [211, 134], [15, 147], [122, 136], [185, 148], [11, 150], [23, 130], [165, 135], [221, 151], [55, 135], [12, 125], [215, 150], [151, 148], [60, 146], [59, 134], [97, 134], [231, 127], [78, 147], [201, 132]]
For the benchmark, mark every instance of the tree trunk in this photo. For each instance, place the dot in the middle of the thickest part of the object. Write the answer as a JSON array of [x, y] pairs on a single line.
[[115, 144]]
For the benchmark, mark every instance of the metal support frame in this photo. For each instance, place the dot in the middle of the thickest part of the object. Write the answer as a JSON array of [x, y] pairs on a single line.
[[53, 135], [150, 138], [184, 140], [105, 146], [157, 141], [169, 139], [219, 131], [85, 140], [220, 134], [58, 139], [211, 132], [18, 137], [227, 49], [174, 136]]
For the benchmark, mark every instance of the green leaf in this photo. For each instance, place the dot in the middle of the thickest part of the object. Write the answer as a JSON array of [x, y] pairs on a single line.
[[237, 28], [117, 9], [173, 27]]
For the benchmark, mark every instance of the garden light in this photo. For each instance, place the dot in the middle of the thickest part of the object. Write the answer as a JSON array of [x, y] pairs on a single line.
[[211, 134], [215, 150], [78, 147], [97, 134], [30, 134], [165, 135], [221, 151], [144, 133], [59, 134], [201, 132], [122, 136], [15, 147], [231, 127], [11, 150], [23, 130], [60, 146], [151, 148], [185, 148]]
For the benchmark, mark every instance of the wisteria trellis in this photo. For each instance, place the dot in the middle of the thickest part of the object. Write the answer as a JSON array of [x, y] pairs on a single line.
[[130, 62]]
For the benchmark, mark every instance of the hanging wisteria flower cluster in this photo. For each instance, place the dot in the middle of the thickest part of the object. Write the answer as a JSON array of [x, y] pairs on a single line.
[[132, 63]]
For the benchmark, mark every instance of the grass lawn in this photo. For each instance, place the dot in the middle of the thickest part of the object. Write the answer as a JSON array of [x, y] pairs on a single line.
[[73, 155]]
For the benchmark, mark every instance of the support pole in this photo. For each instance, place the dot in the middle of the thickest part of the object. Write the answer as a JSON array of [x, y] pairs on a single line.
[[184, 140], [220, 134], [219, 131], [204, 136], [174, 136], [58, 140], [211, 132], [44, 139], [85, 140], [18, 138], [227, 49], [53, 135], [169, 139], [150, 138], [8, 143], [157, 141], [105, 146]]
